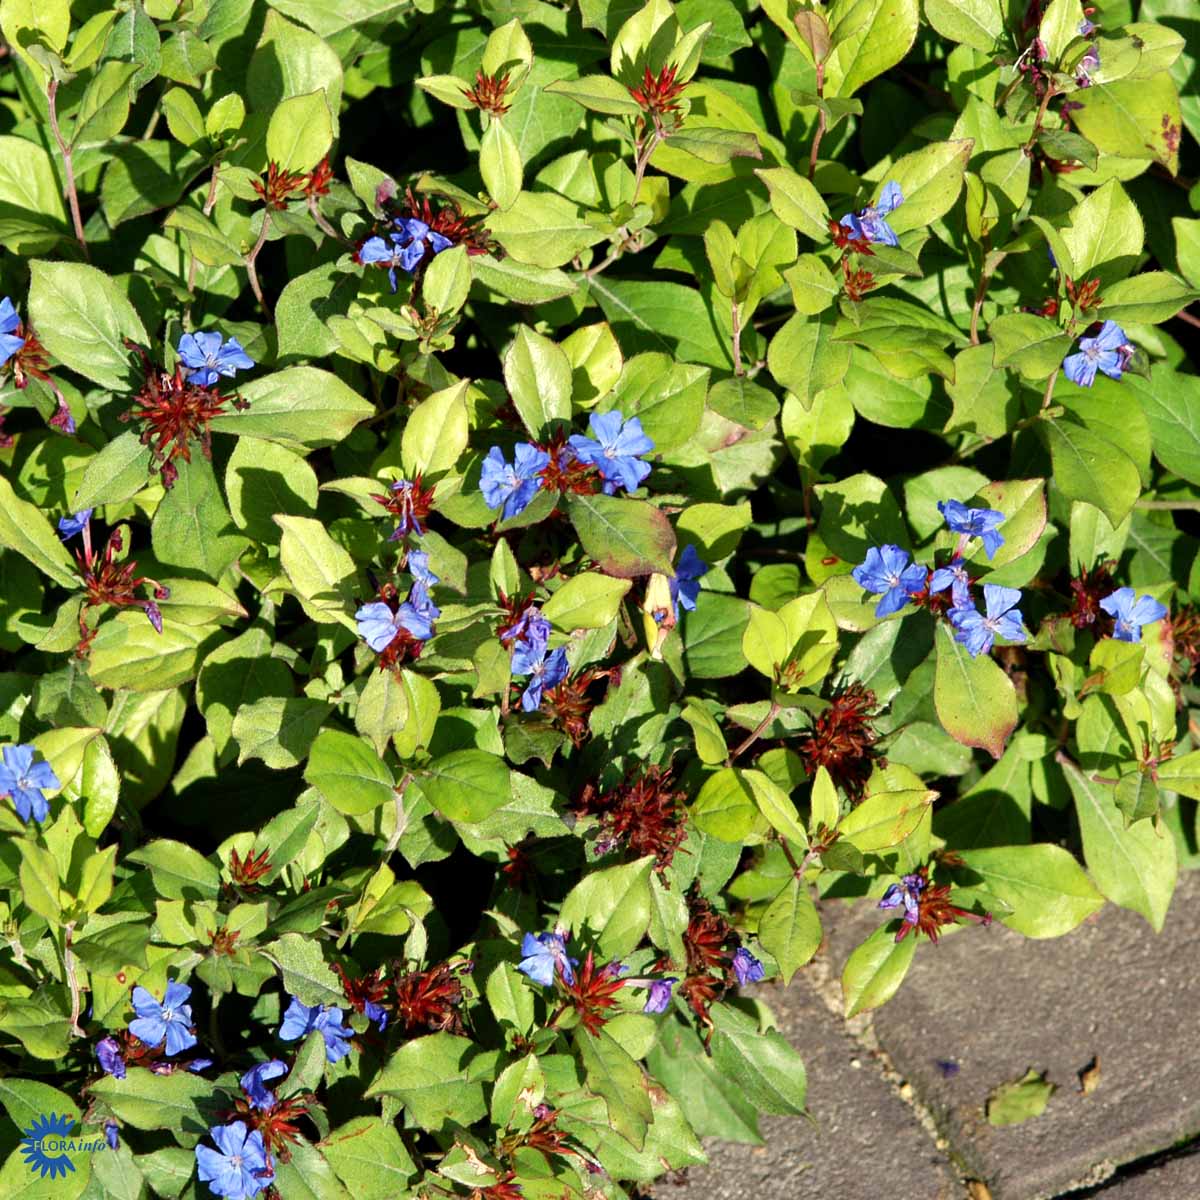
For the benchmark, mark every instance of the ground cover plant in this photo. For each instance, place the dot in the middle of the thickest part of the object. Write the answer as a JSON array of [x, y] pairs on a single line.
[[506, 506]]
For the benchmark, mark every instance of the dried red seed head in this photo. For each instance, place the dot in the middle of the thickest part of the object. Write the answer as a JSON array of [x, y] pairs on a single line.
[[644, 814], [429, 1001], [279, 186], [447, 219], [659, 94], [843, 741], [1088, 588]]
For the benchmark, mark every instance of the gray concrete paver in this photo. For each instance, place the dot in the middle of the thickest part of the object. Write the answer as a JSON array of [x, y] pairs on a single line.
[[865, 1145], [994, 1004], [1175, 1179]]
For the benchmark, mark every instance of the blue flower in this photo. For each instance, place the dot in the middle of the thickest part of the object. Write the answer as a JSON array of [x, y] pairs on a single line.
[[1109, 351], [376, 1013], [417, 236], [209, 356], [1086, 27], [111, 1135], [886, 569], [9, 344], [300, 1020], [418, 568], [404, 248], [172, 1019], [545, 954], [198, 1064], [1130, 615], [547, 670], [955, 577], [68, 527], [1003, 619], [660, 995], [254, 1082], [418, 613], [378, 625], [613, 450], [529, 630], [241, 1169], [685, 586], [112, 1062], [869, 223], [746, 967], [907, 892], [974, 522], [25, 781], [512, 486]]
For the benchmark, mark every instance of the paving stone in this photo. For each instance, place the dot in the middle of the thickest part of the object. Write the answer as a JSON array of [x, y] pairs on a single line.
[[865, 1145], [1176, 1179], [995, 1004]]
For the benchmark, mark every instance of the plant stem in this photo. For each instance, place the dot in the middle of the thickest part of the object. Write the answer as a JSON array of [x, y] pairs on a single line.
[[210, 202], [1169, 505], [251, 258], [72, 981], [816, 145], [1049, 392], [322, 223], [1041, 116], [644, 153], [68, 167], [738, 369], [1184, 315], [756, 732]]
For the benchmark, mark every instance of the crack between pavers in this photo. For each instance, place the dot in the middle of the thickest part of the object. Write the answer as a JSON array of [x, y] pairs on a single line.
[[1137, 1169], [822, 981]]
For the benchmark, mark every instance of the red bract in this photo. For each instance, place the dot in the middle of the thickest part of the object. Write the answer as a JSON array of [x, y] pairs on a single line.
[[246, 872], [173, 413], [360, 989], [564, 472], [277, 1124], [1185, 631], [30, 360], [488, 93], [844, 239], [593, 992], [319, 179], [280, 185], [843, 741], [658, 94], [224, 941], [429, 1001], [410, 504]]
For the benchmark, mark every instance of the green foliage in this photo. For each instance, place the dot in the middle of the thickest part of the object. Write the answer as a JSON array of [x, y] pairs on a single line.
[[635, 696]]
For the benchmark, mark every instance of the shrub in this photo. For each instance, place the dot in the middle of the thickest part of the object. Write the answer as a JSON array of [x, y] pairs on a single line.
[[506, 506]]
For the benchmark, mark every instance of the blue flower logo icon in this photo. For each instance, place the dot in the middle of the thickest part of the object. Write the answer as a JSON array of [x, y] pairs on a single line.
[[44, 1142]]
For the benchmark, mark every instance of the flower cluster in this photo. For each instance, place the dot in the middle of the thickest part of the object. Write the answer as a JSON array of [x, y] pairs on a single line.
[[177, 409], [532, 656], [107, 579], [926, 907], [887, 569], [301, 1019], [410, 503], [157, 1028], [612, 457], [405, 246], [397, 629]]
